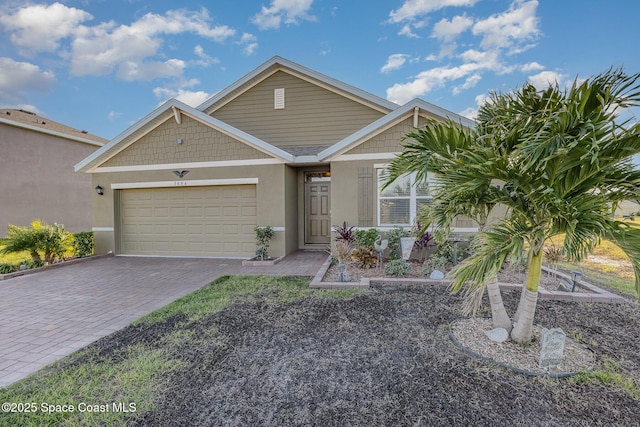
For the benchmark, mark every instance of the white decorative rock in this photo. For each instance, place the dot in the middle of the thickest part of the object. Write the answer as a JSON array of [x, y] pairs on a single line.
[[436, 275], [497, 334]]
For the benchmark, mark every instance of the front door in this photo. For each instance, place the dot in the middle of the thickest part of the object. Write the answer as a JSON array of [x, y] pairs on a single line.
[[317, 192]]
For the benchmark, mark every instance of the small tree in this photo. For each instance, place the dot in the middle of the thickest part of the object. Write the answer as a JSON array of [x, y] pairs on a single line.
[[50, 240], [263, 238]]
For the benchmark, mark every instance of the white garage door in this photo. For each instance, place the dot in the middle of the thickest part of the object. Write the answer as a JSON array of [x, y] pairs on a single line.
[[215, 221]]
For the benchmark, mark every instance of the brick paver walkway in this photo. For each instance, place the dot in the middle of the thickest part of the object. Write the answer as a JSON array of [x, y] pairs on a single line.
[[48, 315]]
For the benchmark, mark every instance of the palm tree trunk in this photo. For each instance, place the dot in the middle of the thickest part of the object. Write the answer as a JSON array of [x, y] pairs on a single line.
[[523, 328], [499, 314]]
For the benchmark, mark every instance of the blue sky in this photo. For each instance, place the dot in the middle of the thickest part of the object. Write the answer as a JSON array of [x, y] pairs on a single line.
[[101, 65]]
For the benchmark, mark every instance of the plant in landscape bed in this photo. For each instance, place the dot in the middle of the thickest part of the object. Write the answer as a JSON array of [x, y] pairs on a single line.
[[83, 244], [263, 238], [365, 257], [557, 159], [397, 268], [367, 237], [434, 262], [394, 236], [52, 241], [345, 233]]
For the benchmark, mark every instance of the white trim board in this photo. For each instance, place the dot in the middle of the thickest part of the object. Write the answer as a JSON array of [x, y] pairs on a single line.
[[183, 183], [192, 165], [103, 229]]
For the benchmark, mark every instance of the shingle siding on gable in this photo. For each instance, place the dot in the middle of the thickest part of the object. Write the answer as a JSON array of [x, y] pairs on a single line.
[[200, 144], [387, 141], [312, 115]]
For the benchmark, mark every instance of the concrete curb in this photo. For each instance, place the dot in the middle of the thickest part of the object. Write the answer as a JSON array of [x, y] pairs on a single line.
[[597, 294], [52, 266]]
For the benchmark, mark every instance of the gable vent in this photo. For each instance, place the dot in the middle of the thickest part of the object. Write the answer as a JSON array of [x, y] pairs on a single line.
[[278, 99]]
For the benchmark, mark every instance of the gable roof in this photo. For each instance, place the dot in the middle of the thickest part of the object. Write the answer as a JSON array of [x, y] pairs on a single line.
[[174, 108], [30, 121], [280, 64], [400, 113], [294, 154]]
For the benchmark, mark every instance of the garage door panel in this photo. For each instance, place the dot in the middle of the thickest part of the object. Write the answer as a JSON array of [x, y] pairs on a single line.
[[189, 221]]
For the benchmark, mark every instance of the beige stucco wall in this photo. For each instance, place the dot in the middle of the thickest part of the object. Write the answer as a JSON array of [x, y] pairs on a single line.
[[344, 191], [199, 143], [312, 115], [270, 198], [291, 208], [39, 182]]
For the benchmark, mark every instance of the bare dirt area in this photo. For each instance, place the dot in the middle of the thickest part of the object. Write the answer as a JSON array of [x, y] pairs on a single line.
[[378, 358]]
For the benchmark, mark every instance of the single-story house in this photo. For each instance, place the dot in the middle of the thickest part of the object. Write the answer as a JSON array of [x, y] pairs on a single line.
[[627, 208], [37, 156], [284, 146]]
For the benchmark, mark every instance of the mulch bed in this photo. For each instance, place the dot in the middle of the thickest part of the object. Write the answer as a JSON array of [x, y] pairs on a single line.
[[379, 358]]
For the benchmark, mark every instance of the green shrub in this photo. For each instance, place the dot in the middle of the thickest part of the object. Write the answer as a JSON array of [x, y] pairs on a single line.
[[263, 237], [50, 240], [397, 268], [434, 262], [365, 257], [83, 244], [367, 237], [7, 268], [394, 236], [33, 263]]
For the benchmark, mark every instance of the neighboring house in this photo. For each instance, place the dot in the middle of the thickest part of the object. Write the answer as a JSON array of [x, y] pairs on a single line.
[[627, 208], [37, 156], [284, 146]]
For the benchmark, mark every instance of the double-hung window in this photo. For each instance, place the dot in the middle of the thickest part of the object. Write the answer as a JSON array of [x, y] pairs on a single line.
[[399, 203]]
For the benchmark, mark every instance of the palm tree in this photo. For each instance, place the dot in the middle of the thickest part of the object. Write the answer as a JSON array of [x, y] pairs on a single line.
[[557, 159], [443, 149]]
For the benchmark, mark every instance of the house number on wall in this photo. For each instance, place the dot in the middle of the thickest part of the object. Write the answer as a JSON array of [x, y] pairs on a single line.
[[180, 183]]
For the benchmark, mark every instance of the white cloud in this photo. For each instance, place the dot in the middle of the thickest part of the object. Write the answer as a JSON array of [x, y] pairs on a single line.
[[448, 30], [205, 60], [149, 70], [475, 63], [411, 9], [287, 11], [39, 28], [249, 43], [531, 66], [18, 78], [469, 83], [509, 29], [394, 62], [429, 80], [544, 79], [191, 98], [132, 52], [498, 36], [472, 112], [408, 32], [113, 115], [106, 47]]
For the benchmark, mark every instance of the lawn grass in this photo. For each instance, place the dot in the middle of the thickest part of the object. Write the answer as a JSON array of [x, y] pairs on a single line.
[[15, 258], [133, 374]]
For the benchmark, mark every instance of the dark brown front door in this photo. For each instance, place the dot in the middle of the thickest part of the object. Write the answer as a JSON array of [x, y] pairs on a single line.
[[318, 210]]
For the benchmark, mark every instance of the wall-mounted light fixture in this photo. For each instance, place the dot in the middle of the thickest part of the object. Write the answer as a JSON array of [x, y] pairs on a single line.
[[99, 190]]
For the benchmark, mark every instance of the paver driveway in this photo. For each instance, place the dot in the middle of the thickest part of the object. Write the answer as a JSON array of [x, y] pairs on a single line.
[[46, 316]]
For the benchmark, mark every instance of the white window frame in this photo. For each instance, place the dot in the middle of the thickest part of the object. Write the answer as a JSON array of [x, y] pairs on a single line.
[[412, 197]]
